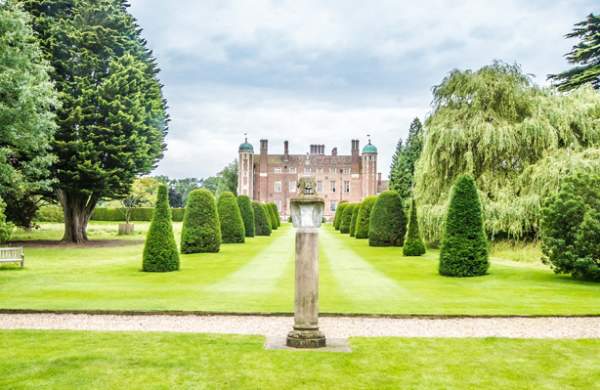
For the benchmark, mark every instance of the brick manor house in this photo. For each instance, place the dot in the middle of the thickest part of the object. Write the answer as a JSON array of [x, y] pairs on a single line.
[[268, 177]]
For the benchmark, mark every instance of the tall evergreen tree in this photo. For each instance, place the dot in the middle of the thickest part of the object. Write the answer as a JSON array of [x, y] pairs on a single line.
[[405, 158], [413, 244], [112, 120], [160, 249], [586, 54], [27, 126]]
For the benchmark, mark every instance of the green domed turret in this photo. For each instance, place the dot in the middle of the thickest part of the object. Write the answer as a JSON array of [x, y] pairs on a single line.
[[246, 147], [369, 148]]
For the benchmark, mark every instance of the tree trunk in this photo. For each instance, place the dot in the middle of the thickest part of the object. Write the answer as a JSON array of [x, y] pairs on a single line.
[[77, 209]]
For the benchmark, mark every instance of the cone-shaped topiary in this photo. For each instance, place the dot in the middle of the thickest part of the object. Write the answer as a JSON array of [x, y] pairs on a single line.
[[160, 249], [272, 214], [337, 219], [364, 214], [346, 218], [464, 249], [276, 212], [387, 221], [230, 217], [261, 220], [413, 245], [245, 205], [355, 211], [201, 231], [268, 215]]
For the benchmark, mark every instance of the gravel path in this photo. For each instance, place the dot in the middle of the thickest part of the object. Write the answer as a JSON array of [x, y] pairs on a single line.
[[333, 327]]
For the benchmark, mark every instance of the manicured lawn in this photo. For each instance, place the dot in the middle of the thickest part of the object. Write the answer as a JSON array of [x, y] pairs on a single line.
[[72, 360], [258, 277]]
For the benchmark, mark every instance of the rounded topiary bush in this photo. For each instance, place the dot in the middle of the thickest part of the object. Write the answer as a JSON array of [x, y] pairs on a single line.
[[387, 221], [346, 218], [363, 218], [201, 231], [245, 205], [337, 219], [276, 212], [413, 245], [160, 248], [464, 250], [570, 227], [274, 219], [230, 217], [355, 211], [261, 220]]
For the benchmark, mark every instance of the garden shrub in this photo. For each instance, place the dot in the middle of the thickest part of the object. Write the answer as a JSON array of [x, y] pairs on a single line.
[[364, 214], [50, 214], [337, 219], [570, 227], [138, 214], [245, 205], [201, 231], [268, 215], [346, 218], [274, 219], [355, 211], [6, 227], [413, 245], [230, 217], [464, 249], [261, 220], [387, 220], [160, 248], [276, 212]]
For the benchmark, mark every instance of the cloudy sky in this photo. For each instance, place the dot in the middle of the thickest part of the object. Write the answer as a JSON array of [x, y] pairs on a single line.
[[319, 71]]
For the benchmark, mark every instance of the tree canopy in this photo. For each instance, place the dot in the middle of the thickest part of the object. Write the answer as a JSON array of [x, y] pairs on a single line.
[[511, 136], [404, 160]]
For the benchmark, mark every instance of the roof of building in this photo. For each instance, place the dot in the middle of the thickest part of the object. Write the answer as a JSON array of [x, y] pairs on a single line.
[[246, 147], [369, 148]]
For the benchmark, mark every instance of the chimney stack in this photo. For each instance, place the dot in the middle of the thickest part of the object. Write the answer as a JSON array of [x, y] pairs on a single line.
[[286, 150], [264, 146], [334, 152]]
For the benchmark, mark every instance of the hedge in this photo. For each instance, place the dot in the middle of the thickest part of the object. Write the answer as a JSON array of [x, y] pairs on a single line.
[[160, 248], [364, 214], [337, 219], [245, 205], [261, 220], [276, 212], [230, 217], [355, 211], [387, 220], [50, 214], [274, 218], [413, 245], [201, 231], [346, 218], [464, 249]]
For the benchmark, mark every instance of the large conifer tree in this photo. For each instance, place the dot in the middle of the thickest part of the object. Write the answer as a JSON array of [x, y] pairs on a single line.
[[404, 160], [113, 117], [27, 101]]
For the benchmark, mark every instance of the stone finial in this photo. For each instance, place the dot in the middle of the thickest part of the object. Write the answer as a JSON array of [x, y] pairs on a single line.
[[307, 186]]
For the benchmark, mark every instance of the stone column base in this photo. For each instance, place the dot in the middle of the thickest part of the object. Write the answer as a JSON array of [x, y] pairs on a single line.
[[305, 339]]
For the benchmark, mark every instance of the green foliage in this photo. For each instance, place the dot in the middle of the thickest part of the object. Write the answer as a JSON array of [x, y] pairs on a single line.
[[413, 245], [201, 230], [261, 220], [387, 221], [6, 228], [27, 122], [464, 249], [232, 224], [269, 216], [273, 215], [346, 218], [586, 54], [50, 213], [355, 211], [339, 211], [112, 120], [363, 218], [139, 214], [226, 180], [160, 248], [571, 227], [404, 160], [276, 212], [496, 126], [245, 205]]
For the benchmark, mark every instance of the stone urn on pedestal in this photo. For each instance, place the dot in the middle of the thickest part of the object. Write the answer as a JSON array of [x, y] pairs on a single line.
[[307, 214]]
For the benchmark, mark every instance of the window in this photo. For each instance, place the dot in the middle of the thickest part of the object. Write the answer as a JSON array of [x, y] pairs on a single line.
[[307, 171], [292, 170], [331, 170], [346, 186], [333, 205], [332, 183], [277, 170], [319, 170], [292, 186], [278, 203], [319, 186], [346, 171], [277, 186]]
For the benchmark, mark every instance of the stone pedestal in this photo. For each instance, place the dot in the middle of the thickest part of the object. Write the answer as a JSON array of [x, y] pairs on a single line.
[[307, 213]]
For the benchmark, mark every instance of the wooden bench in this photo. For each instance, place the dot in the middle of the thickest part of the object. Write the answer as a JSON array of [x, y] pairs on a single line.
[[12, 255]]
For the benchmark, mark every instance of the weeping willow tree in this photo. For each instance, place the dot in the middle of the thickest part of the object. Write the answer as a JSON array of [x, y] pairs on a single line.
[[515, 139]]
